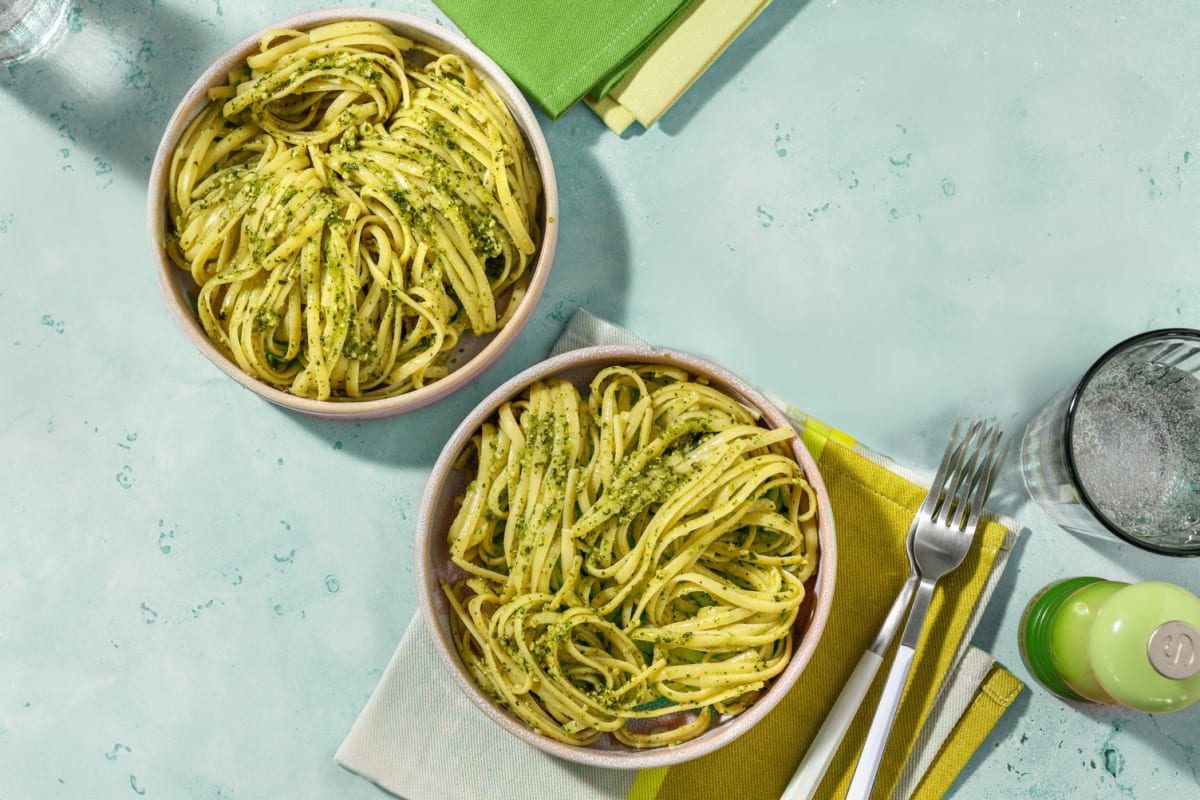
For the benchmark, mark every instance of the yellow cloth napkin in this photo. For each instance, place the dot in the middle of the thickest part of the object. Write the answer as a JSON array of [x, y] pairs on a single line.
[[673, 63], [417, 730]]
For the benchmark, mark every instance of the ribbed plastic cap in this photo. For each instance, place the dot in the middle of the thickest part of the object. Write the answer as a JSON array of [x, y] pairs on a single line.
[[1035, 635]]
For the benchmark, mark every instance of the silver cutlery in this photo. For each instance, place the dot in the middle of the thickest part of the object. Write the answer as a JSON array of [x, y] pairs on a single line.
[[828, 739], [938, 541]]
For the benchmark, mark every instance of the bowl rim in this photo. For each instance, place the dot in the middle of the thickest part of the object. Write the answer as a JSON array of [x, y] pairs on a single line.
[[428, 32], [802, 652]]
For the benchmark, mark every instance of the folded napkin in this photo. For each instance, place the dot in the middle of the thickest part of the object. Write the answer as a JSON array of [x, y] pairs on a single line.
[[673, 63], [419, 737], [557, 51]]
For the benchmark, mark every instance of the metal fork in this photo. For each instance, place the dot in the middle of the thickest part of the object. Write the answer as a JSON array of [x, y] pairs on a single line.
[[825, 744], [937, 543]]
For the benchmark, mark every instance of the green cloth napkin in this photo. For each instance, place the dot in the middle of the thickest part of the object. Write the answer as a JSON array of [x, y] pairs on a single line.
[[557, 51]]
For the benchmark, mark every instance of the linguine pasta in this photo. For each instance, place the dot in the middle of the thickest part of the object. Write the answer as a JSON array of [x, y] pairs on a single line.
[[634, 561], [351, 203]]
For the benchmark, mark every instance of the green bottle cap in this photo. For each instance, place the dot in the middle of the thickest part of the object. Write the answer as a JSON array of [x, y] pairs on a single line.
[[1145, 647], [1070, 636], [1036, 635]]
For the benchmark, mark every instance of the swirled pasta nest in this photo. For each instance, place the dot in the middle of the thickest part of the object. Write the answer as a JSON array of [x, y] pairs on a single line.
[[634, 560], [351, 203]]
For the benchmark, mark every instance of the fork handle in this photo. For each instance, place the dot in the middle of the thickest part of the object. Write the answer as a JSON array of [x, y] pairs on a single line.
[[812, 769], [808, 776], [885, 714]]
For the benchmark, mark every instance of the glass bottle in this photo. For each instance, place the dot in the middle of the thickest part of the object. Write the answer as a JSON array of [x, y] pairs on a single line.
[[1096, 641]]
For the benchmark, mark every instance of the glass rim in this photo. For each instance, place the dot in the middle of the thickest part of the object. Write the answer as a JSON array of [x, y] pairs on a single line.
[[1069, 429]]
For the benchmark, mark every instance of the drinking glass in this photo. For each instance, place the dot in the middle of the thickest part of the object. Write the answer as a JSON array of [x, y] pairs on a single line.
[[1117, 453], [27, 26]]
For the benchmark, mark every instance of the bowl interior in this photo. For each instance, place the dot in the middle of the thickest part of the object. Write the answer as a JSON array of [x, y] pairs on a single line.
[[473, 354], [433, 558]]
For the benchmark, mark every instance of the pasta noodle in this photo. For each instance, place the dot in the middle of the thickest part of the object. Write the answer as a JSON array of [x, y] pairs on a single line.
[[634, 562], [350, 204]]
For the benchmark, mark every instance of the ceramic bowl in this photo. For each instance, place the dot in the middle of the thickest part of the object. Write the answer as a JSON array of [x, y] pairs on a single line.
[[474, 354], [433, 559]]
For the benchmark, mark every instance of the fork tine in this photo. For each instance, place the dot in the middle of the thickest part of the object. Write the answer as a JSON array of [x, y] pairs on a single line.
[[949, 488], [995, 460], [982, 473], [939, 479], [970, 479], [959, 490]]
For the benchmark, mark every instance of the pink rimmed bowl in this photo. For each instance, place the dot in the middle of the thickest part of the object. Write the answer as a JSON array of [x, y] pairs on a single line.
[[433, 558], [473, 354]]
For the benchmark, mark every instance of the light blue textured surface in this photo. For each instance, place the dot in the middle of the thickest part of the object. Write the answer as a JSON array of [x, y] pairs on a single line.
[[888, 213]]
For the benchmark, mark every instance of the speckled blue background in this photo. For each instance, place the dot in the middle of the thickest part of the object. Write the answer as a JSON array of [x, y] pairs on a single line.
[[888, 213]]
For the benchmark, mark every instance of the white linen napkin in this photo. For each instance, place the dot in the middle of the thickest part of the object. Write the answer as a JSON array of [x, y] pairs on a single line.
[[420, 738]]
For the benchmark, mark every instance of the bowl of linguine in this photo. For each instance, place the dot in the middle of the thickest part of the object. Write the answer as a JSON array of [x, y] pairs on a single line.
[[625, 556], [353, 213]]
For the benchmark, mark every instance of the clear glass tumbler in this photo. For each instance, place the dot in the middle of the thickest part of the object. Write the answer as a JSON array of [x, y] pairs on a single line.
[[1117, 453], [28, 26]]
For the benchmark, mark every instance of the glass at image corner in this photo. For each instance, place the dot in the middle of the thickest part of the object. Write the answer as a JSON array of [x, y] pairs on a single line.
[[28, 27], [1046, 464]]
